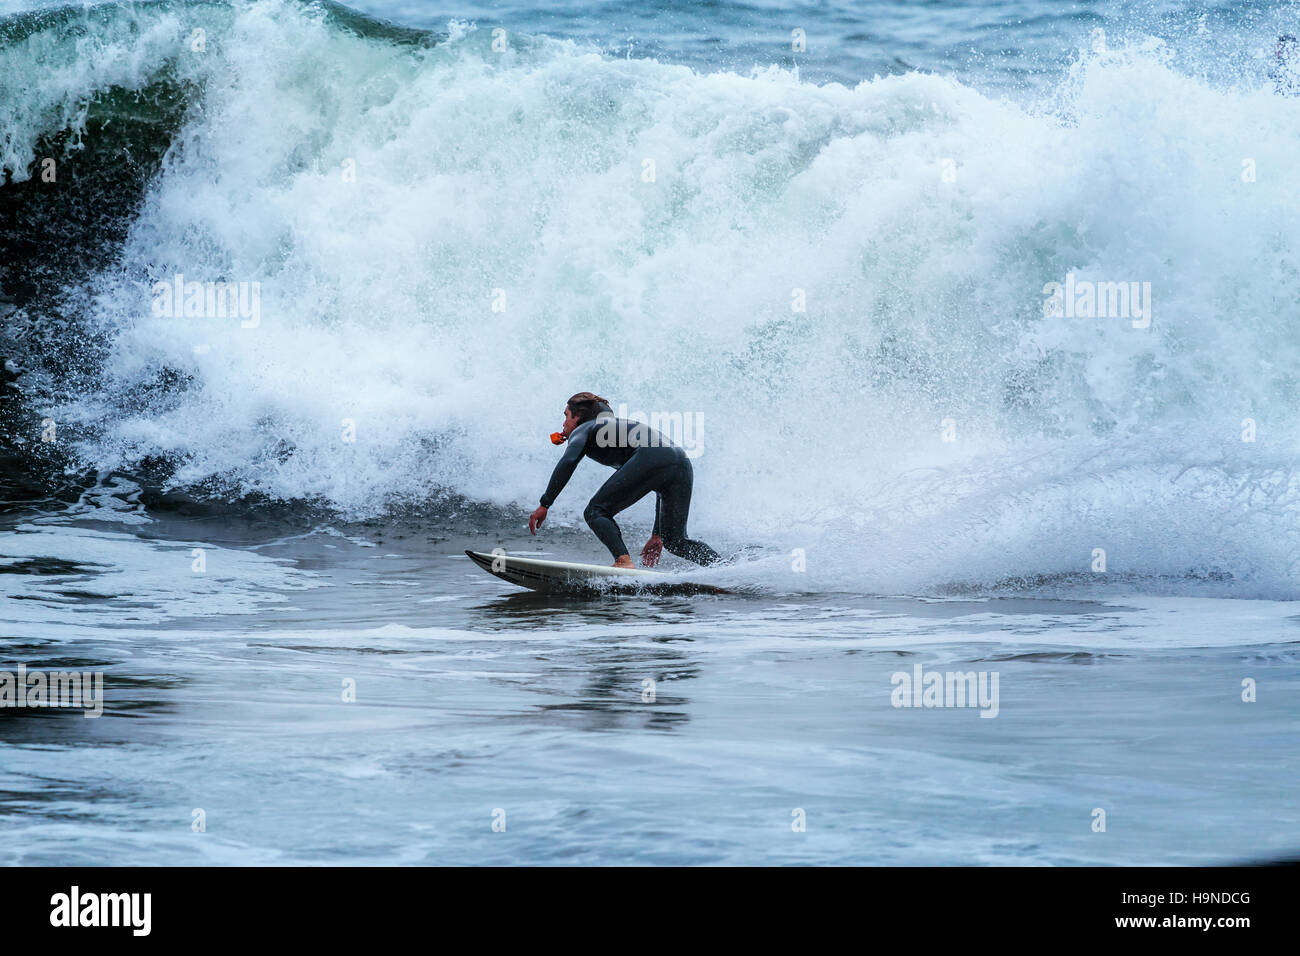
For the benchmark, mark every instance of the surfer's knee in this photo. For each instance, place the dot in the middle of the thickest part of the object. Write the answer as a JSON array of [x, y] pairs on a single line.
[[593, 513], [696, 551]]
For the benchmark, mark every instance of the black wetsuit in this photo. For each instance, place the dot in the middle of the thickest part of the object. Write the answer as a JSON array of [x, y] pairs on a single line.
[[646, 461]]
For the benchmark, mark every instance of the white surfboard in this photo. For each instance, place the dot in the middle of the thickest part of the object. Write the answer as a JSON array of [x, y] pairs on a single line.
[[564, 577]]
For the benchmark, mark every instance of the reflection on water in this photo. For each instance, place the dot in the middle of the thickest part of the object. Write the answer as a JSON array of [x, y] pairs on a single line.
[[323, 699]]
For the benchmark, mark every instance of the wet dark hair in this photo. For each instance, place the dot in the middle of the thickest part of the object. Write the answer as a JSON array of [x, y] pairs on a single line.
[[587, 405]]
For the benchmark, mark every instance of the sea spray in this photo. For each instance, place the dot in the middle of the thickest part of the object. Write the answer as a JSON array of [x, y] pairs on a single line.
[[448, 240]]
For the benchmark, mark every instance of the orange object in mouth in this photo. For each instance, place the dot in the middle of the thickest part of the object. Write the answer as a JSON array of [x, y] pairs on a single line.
[[557, 438]]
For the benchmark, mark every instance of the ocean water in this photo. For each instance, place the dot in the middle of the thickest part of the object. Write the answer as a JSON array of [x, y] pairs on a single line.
[[831, 263]]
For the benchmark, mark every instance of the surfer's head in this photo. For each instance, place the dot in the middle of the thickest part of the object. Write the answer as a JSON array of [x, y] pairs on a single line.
[[583, 407]]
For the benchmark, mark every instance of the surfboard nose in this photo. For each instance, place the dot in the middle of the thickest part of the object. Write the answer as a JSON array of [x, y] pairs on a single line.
[[484, 561]]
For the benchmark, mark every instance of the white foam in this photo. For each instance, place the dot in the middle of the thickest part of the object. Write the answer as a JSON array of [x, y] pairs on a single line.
[[523, 171]]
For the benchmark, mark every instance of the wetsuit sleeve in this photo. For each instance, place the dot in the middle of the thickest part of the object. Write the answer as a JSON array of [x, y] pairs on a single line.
[[659, 506], [573, 452]]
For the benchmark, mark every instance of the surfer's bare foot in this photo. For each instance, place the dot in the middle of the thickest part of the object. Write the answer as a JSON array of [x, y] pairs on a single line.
[[623, 561]]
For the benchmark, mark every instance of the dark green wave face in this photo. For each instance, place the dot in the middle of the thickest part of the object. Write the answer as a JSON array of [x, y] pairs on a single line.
[[76, 161], [76, 168], [106, 141]]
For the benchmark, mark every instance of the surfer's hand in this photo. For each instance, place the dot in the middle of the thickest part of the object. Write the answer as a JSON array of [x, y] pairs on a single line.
[[536, 518], [652, 550]]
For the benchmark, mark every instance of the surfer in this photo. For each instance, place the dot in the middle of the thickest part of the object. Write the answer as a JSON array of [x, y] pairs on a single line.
[[645, 461]]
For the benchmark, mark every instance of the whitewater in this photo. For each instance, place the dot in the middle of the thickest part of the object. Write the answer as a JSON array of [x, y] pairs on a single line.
[[839, 268]]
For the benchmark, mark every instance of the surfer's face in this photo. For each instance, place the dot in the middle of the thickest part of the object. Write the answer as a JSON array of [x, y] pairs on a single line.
[[570, 423]]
